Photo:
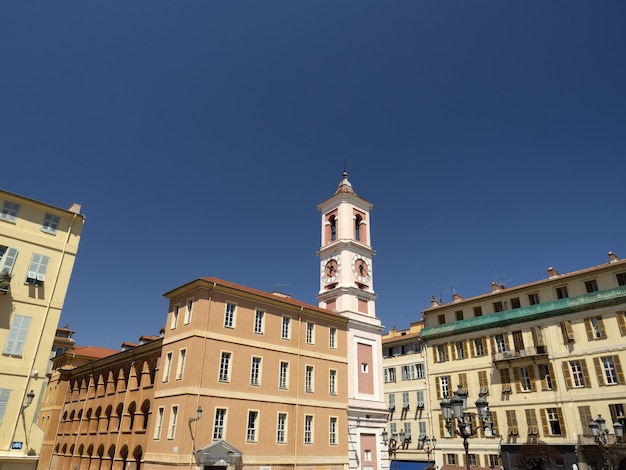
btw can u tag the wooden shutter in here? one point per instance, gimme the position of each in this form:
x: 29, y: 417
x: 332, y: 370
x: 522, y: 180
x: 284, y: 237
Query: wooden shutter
x: 494, y: 422
x: 567, y: 375
x: 559, y: 413
x: 583, y: 366
x: 435, y: 354
x: 552, y: 376
x: 518, y: 385
x: 446, y: 352
x: 621, y: 321
x: 544, y: 422
x: 442, y: 427
x: 589, y: 329
x: 585, y: 419
x: 618, y: 370
x: 465, y: 354
x: 599, y: 371
x: 473, y: 347
x: 601, y: 328
x: 531, y: 375
x: 438, y: 386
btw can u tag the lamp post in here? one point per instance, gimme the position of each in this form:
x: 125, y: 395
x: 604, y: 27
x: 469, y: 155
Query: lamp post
x: 601, y: 435
x: 427, y: 444
x: 456, y: 410
x: 393, y: 444
x: 29, y: 400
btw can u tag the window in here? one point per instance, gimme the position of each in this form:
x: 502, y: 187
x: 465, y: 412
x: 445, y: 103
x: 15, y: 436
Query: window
x: 188, y: 311
x: 332, y: 338
x: 229, y: 316
x: 219, y: 423
x: 497, y: 307
x: 255, y: 371
x: 505, y: 380
x: 422, y: 428
x: 332, y: 431
x: 451, y: 459
x: 281, y: 428
x: 609, y: 370
x: 332, y: 382
x: 181, y: 364
x: 405, y: 400
x: 546, y: 375
x: 479, y: 347
x: 420, y: 373
x: 159, y: 423
x: 9, y: 211
x: 494, y: 460
x: 518, y: 341
x: 459, y: 315
x: 585, y: 419
x: 617, y: 414
x: 511, y: 422
x: 533, y: 299
x: 308, y: 379
x: 310, y: 338
x: 407, y: 429
x: 561, y: 292
x: 420, y: 399
x: 594, y: 327
x: 168, y: 367
x: 442, y: 353
x: 7, y: 258
x: 478, y: 311
x: 444, y: 386
x: 37, y: 269
x: 390, y: 374
x: 285, y: 334
x: 621, y: 279
x: 591, y: 286
x: 459, y: 347
x: 225, y: 367
x: 554, y: 418
x: 17, y: 335
x: 567, y: 332
x: 173, y: 419
x: 283, y: 377
x: 406, y: 372
x: 253, y: 417
x: 174, y: 323
x: 515, y: 303
x: 577, y: 376
x: 50, y: 224
x: 258, y: 322
x: 483, y: 382
x: 473, y: 461
x: 333, y: 228
x: 531, y: 422
x: 500, y: 343
x: 441, y: 319
x: 308, y: 429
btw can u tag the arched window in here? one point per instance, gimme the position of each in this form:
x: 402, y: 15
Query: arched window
x: 358, y: 220
x: 137, y: 456
x: 108, y: 413
x: 333, y: 228
x: 145, y: 411
x: 132, y: 409
x: 119, y: 412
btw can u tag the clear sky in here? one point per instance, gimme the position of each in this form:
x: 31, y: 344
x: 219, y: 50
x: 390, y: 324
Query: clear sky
x: 199, y: 137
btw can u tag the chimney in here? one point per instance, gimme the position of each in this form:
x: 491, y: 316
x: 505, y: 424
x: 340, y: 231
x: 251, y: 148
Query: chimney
x: 433, y: 302
x: 456, y: 297
x: 495, y: 287
x: 552, y: 272
x: 612, y: 257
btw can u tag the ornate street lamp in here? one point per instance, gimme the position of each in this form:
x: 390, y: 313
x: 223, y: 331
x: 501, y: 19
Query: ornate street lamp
x: 427, y: 444
x: 456, y: 410
x: 29, y: 400
x: 393, y: 444
x: 601, y: 435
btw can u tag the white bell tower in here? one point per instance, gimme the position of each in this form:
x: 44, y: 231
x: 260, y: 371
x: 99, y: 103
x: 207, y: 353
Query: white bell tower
x: 347, y: 287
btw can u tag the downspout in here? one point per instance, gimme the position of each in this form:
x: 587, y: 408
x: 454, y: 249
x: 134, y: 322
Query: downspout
x: 45, y: 320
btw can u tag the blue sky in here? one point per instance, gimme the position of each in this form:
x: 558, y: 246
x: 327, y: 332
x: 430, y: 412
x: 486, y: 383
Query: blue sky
x: 199, y: 137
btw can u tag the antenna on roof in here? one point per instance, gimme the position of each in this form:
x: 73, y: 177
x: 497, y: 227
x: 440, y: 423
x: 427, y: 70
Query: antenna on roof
x: 278, y: 286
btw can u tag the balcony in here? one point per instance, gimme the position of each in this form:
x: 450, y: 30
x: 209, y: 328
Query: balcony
x: 534, y: 351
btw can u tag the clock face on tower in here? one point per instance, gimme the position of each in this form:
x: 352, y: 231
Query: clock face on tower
x: 330, y: 269
x: 361, y: 269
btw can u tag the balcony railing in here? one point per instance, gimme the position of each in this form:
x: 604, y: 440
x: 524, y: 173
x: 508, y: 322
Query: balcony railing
x: 521, y: 354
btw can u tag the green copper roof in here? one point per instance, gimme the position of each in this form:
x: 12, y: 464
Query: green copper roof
x: 525, y: 314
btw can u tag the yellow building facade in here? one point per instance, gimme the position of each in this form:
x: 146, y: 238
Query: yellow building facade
x: 38, y: 247
x: 548, y: 356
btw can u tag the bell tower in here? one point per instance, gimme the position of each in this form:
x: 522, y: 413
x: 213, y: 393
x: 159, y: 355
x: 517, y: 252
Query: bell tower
x: 347, y: 287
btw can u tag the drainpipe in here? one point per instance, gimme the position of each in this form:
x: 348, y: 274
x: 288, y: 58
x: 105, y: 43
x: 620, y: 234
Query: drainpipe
x: 295, y: 441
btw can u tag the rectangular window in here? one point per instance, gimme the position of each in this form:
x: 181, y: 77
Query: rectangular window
x: 533, y: 299
x: 405, y: 400
x: 229, y: 316
x: 406, y: 372
x: 578, y: 374
x: 258, y: 322
x: 585, y: 419
x: 225, y: 367
x: 607, y: 370
x: 441, y: 319
x: 555, y: 420
x: 442, y: 353
x: 9, y: 211
x: 332, y: 382
x: 561, y: 292
x: 479, y: 347
x: 459, y: 315
x: 511, y: 422
x: 478, y: 311
x: 283, y: 376
x: 174, y: 323
x: 310, y: 330
x: 420, y: 372
x: 332, y: 431
x: 545, y: 375
x: 255, y: 372
x: 500, y: 343
x: 483, y: 382
x: 591, y: 286
x: 17, y: 335
x: 180, y: 369
x: 332, y: 338
x: 188, y: 311
x: 567, y: 331
x: 50, y: 224
x: 473, y: 461
x: 459, y: 347
x: 505, y: 380
x: 392, y: 401
x: 422, y: 429
x: 497, y: 307
x: 308, y: 429
x: 518, y: 340
x: 525, y: 379
x: 37, y: 269
x: 515, y: 303
x: 159, y: 423
x: 531, y: 422
x: 7, y: 258
x: 308, y: 379
x: 617, y: 414
x: 168, y: 367
x: 494, y: 460
x: 281, y: 428
x: 407, y: 430
x: 173, y: 419
x: 463, y: 381
x: 594, y: 327
x: 451, y: 459
x: 219, y: 423
x: 420, y: 399
x: 253, y: 417
x: 390, y: 374
x: 621, y: 279
x: 444, y: 386
x: 285, y: 334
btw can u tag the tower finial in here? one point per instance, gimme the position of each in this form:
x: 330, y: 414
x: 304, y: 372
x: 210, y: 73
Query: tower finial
x: 345, y: 172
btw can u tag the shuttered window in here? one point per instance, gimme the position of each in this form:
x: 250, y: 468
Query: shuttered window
x: 17, y: 335
x: 4, y: 399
